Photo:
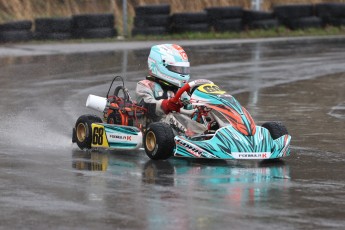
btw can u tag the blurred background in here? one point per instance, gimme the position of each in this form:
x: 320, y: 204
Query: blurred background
x: 24, y: 20
x: 30, y: 9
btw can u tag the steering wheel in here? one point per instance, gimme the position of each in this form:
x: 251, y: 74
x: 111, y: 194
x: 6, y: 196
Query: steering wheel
x: 190, y: 87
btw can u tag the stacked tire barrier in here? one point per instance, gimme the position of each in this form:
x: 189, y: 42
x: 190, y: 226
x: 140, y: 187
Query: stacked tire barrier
x: 93, y: 26
x: 331, y: 13
x: 259, y: 20
x: 189, y: 22
x: 298, y: 16
x: 16, y: 31
x: 53, y: 28
x: 156, y: 20
x: 151, y: 20
x: 226, y: 19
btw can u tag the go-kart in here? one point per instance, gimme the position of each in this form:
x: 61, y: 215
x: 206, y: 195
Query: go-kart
x: 216, y: 127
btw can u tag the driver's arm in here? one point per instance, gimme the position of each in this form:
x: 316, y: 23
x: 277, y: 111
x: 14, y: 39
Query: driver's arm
x: 144, y: 93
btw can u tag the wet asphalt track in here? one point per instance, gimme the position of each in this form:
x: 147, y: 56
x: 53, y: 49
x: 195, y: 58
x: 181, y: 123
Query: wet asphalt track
x: 47, y: 183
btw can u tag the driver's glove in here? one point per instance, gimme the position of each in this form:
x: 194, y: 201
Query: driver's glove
x: 168, y: 106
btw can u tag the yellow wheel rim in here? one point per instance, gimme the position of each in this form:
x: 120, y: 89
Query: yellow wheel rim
x: 151, y: 141
x: 81, y: 132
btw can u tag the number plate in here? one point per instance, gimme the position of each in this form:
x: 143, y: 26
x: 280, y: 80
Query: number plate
x: 99, y: 138
x: 211, y: 88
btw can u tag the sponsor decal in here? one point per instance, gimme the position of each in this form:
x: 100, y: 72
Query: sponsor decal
x: 190, y: 148
x: 244, y: 155
x: 194, y: 150
x: 208, y: 155
x: 126, y: 138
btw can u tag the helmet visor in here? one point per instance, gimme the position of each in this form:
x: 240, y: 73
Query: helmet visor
x: 179, y: 69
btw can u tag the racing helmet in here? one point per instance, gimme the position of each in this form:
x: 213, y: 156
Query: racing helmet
x: 169, y: 62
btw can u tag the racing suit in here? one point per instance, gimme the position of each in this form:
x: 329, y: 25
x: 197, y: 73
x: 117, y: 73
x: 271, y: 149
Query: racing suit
x: 151, y: 92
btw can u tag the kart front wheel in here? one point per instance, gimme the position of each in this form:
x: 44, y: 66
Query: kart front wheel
x: 276, y: 129
x: 159, y: 141
x: 82, y: 132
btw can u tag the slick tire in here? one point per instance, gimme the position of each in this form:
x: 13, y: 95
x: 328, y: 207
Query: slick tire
x: 337, y: 21
x: 16, y: 25
x: 93, y: 21
x: 216, y: 13
x: 250, y: 16
x: 304, y: 23
x: 187, y: 28
x: 159, y: 141
x: 330, y: 10
x: 276, y: 129
x: 95, y: 33
x: 152, y: 21
x: 83, y: 130
x: 53, y: 25
x: 294, y: 11
x: 159, y: 30
x: 189, y: 18
x: 264, y: 24
x: 15, y: 36
x: 229, y: 25
x: 152, y: 9
x: 52, y: 36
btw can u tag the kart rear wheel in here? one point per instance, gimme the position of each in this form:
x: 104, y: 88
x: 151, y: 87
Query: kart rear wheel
x: 83, y: 130
x: 276, y: 129
x: 94, y: 118
x: 159, y: 141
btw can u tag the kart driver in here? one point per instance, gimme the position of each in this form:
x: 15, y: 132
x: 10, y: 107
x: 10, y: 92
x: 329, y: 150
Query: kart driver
x: 168, y: 71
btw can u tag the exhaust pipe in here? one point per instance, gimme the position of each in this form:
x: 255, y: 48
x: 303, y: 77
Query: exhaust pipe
x: 97, y: 103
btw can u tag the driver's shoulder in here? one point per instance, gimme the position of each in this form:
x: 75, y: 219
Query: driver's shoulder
x: 148, y: 84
